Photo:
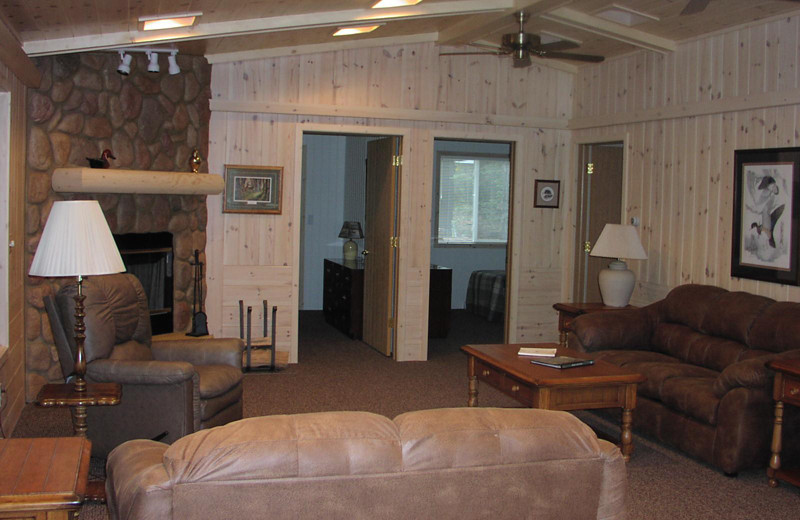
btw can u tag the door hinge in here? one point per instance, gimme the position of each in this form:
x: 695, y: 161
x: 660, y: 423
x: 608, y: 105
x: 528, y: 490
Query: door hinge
x: 391, y: 323
x: 397, y: 160
x: 394, y: 242
x: 587, y: 247
x: 589, y: 168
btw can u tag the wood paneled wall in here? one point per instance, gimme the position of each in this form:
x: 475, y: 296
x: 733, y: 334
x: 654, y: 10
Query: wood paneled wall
x: 12, y: 362
x: 682, y: 116
x: 260, y: 109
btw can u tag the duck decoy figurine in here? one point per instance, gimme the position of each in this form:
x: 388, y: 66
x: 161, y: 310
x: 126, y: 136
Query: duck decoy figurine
x: 102, y: 162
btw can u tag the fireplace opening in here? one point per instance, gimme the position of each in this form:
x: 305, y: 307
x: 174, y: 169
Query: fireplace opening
x: 148, y: 256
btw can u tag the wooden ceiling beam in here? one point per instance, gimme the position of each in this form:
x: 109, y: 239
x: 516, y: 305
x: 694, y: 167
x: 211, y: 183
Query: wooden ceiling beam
x: 265, y: 25
x: 476, y: 27
x: 605, y: 28
x: 15, y: 59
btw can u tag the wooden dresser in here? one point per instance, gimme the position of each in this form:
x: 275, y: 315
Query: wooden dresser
x: 343, y: 297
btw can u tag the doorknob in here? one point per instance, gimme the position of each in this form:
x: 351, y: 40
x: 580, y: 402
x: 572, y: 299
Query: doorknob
x: 365, y: 252
x: 587, y: 247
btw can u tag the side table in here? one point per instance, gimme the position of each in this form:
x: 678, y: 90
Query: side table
x: 43, y: 478
x: 96, y: 394
x: 786, y: 389
x: 568, y: 311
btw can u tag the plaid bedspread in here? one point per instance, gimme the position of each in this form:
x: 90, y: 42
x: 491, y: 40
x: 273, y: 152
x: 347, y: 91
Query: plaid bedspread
x: 486, y: 294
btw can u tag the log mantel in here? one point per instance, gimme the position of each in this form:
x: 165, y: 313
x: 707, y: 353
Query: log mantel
x: 97, y: 180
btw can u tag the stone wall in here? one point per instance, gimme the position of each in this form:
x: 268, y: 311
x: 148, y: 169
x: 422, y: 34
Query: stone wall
x: 150, y: 121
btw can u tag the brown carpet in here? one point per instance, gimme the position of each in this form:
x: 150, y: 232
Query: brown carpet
x: 336, y: 373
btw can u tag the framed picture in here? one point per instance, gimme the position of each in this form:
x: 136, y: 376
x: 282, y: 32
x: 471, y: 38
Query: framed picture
x: 252, y: 189
x: 547, y: 193
x: 765, y: 215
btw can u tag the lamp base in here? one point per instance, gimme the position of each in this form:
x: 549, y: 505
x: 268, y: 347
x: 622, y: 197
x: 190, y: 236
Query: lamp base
x: 616, y: 284
x: 350, y: 250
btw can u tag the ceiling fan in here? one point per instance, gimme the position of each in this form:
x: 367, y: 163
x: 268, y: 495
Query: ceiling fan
x: 521, y: 45
x: 696, y: 6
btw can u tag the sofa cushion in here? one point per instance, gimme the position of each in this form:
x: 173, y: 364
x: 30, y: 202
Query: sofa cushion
x: 286, y: 446
x: 696, y: 348
x: 692, y: 396
x: 733, y: 315
x: 689, y: 304
x: 657, y: 373
x: 623, y: 358
x: 777, y: 329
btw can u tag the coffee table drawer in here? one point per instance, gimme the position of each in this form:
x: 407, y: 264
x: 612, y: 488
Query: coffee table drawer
x: 491, y: 375
x: 518, y: 390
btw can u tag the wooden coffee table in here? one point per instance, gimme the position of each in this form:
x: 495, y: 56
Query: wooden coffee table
x: 601, y: 385
x: 43, y: 477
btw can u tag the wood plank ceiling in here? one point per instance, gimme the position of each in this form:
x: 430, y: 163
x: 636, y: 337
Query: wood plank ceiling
x: 239, y: 29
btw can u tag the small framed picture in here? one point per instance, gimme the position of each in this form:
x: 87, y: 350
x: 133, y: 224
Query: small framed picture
x: 766, y: 215
x: 547, y: 193
x: 252, y: 189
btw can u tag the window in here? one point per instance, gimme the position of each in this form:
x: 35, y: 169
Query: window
x: 473, y: 199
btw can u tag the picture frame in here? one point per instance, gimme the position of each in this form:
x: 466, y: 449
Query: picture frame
x: 253, y: 189
x: 765, y: 215
x: 547, y: 193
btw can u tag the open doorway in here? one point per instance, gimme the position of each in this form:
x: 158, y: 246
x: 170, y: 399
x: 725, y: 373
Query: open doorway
x: 342, y: 174
x: 470, y: 233
x: 599, y: 203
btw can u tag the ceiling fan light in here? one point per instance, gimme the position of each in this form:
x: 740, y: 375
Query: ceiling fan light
x: 521, y: 63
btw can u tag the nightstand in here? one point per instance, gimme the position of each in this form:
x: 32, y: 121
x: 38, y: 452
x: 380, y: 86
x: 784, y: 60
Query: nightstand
x: 786, y: 389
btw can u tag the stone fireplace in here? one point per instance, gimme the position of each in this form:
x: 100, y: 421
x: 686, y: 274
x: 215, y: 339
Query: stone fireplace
x: 150, y: 121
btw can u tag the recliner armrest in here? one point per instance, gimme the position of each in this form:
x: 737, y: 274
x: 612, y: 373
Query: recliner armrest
x: 212, y: 351
x: 625, y: 329
x: 139, y: 372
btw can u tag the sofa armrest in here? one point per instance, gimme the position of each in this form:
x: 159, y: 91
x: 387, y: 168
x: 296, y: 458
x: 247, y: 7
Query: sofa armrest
x: 139, y: 372
x: 749, y: 373
x: 134, y: 470
x: 212, y: 351
x: 628, y: 329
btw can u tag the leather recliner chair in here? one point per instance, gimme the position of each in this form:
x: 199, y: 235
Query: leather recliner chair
x: 170, y: 388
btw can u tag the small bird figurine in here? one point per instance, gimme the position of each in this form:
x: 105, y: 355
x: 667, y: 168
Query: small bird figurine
x: 196, y: 160
x: 102, y: 162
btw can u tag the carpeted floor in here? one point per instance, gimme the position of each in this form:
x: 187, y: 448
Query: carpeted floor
x: 336, y: 373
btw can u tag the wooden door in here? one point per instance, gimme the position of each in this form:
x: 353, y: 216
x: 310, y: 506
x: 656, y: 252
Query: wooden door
x: 600, y: 197
x: 380, y: 239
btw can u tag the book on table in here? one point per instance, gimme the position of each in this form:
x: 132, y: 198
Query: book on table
x: 537, y: 351
x: 563, y: 362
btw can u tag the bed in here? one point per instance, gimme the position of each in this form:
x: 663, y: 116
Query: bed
x: 486, y: 294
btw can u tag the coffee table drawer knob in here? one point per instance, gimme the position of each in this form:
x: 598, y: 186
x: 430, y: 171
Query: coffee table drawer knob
x: 486, y: 372
x: 515, y: 388
x: 794, y: 391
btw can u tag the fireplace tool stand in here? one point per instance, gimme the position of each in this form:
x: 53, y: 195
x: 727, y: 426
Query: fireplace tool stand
x: 199, y: 318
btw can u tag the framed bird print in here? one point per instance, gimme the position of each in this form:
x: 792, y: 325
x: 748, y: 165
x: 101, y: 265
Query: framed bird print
x: 252, y: 189
x: 766, y: 214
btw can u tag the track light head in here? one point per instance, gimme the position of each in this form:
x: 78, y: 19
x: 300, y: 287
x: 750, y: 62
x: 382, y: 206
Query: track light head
x: 173, y: 63
x: 125, y: 63
x: 153, y: 65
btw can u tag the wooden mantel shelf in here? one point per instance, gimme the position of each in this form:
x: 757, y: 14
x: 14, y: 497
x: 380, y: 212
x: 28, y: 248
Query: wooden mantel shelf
x: 97, y: 180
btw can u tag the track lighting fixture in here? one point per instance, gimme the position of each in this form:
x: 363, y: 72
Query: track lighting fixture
x: 126, y: 57
x: 153, y: 65
x: 125, y: 63
x: 173, y: 63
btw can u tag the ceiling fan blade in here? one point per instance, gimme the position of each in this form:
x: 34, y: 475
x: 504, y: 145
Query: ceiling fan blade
x: 695, y: 6
x: 563, y: 45
x: 470, y: 53
x: 571, y: 56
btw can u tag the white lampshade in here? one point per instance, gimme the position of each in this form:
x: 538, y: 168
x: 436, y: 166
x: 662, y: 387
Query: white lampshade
x: 76, y: 241
x: 618, y: 241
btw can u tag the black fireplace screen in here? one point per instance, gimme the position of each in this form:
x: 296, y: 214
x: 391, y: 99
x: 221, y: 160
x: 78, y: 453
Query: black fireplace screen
x: 148, y: 256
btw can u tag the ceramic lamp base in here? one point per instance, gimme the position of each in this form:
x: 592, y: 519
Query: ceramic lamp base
x: 616, y: 284
x: 350, y: 250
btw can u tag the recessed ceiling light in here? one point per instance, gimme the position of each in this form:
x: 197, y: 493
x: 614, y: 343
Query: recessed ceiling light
x: 348, y: 31
x: 395, y: 3
x: 624, y: 15
x: 168, y: 21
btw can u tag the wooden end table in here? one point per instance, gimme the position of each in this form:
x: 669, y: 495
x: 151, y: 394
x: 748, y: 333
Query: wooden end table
x: 602, y: 385
x: 96, y: 394
x: 786, y: 389
x: 568, y: 311
x: 43, y: 478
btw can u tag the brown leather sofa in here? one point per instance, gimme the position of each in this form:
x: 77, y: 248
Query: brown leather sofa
x: 169, y: 388
x: 703, y: 350
x: 456, y: 463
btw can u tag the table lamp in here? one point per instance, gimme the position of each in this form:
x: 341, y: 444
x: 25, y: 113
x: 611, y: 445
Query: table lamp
x: 351, y: 230
x: 617, y: 281
x: 76, y: 241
